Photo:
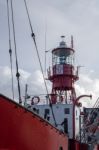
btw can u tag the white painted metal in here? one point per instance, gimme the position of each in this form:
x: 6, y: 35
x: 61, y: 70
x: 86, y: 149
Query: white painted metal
x: 60, y: 115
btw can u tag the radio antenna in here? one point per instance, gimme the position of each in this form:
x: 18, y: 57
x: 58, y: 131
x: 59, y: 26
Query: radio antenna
x: 45, y: 44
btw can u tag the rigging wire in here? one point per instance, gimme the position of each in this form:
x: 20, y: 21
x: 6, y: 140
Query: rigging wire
x: 96, y: 103
x: 33, y: 37
x: 10, y: 49
x: 17, y: 68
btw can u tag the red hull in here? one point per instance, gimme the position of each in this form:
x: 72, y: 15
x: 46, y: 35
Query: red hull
x: 20, y: 129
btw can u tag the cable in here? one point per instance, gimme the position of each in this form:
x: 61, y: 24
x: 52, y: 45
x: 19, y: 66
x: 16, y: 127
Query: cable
x: 9, y: 25
x: 17, y: 69
x: 96, y: 103
x: 10, y: 49
x: 95, y: 109
x: 33, y: 37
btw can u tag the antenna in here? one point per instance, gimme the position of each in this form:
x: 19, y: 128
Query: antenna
x: 45, y: 43
x: 72, y: 42
x: 78, y: 68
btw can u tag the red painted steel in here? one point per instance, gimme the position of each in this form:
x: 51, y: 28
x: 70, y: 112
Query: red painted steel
x: 83, y: 146
x: 20, y: 129
x: 75, y: 145
x: 96, y: 147
x: 64, y: 81
x: 71, y: 144
x: 58, y: 83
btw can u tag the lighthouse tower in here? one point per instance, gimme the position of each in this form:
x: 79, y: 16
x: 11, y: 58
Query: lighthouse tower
x: 63, y: 73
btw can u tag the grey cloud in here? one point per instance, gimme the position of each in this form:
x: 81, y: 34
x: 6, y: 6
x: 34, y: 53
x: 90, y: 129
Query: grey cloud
x: 78, y: 17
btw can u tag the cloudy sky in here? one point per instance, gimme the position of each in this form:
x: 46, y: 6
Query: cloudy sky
x: 79, y: 18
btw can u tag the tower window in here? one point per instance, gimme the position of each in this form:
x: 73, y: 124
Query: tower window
x: 66, y: 111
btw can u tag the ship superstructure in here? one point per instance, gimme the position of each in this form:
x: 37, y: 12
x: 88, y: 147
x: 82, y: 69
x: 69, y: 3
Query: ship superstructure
x: 62, y: 74
x: 66, y: 106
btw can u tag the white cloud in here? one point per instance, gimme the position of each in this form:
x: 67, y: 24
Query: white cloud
x: 96, y: 86
x: 88, y: 85
x: 86, y: 79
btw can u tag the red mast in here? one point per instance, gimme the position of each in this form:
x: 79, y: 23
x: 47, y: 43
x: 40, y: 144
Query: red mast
x: 63, y: 73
